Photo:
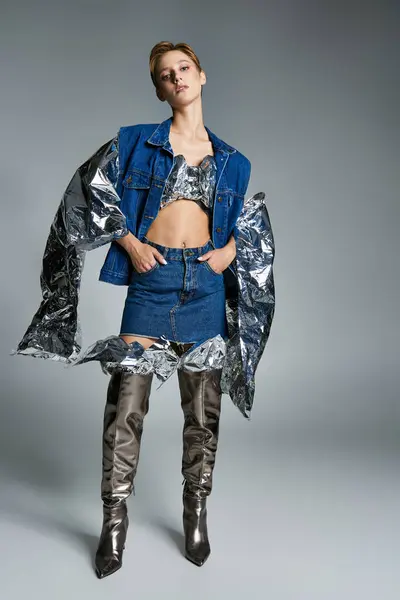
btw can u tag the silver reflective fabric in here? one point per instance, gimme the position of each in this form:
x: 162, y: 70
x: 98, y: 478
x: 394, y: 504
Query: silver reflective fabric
x: 160, y: 358
x: 191, y: 182
x: 89, y: 216
x: 250, y: 317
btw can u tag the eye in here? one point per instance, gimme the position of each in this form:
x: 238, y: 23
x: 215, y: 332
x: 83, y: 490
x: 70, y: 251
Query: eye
x: 164, y: 77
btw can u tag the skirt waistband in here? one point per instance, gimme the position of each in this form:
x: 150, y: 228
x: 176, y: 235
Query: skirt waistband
x: 181, y: 253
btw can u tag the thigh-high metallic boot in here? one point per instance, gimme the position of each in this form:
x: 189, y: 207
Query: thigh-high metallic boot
x: 126, y: 406
x: 201, y: 404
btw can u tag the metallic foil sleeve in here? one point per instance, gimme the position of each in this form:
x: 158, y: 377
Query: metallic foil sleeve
x: 88, y: 216
x: 250, y: 316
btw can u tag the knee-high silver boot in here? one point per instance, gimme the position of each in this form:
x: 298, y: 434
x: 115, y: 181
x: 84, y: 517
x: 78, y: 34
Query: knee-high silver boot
x: 126, y: 406
x: 201, y: 404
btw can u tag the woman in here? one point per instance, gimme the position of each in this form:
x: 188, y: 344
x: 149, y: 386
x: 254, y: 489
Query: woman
x: 177, y: 290
x: 169, y: 197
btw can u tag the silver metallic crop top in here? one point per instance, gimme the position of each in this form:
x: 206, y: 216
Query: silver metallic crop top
x: 191, y: 182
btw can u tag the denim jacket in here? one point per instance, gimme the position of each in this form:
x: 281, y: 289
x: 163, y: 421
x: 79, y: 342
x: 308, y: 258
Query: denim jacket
x: 115, y: 191
x: 145, y: 161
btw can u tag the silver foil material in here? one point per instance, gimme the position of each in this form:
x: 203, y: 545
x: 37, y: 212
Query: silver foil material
x: 160, y: 358
x: 191, y: 182
x: 89, y: 216
x: 250, y: 318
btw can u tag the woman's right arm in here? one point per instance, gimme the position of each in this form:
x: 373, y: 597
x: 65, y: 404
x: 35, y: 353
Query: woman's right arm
x: 128, y: 242
x: 142, y: 255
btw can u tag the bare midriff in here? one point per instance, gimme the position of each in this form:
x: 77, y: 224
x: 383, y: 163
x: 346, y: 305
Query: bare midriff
x: 181, y: 224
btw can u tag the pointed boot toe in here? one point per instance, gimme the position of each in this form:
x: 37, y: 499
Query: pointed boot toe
x: 107, y: 566
x: 107, y: 563
x: 199, y: 555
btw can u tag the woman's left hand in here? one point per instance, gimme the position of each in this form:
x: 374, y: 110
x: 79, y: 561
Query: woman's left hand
x: 219, y: 259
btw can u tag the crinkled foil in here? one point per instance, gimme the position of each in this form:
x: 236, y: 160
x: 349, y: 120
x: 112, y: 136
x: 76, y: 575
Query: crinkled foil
x: 160, y: 358
x: 193, y: 182
x: 250, y: 317
x: 89, y: 216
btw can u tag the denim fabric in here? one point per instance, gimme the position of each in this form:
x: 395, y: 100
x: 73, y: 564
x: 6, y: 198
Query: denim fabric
x: 145, y: 159
x: 183, y: 300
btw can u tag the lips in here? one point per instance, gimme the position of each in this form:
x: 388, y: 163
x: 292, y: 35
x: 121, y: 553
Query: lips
x: 182, y: 87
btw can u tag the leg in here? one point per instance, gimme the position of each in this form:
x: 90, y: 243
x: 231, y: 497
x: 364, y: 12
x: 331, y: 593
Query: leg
x: 145, y: 341
x: 201, y: 404
x: 127, y: 405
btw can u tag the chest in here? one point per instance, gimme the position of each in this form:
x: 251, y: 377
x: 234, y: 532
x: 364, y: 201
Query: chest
x: 194, y: 153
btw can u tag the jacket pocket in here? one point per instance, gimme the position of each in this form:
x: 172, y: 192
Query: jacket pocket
x: 137, y: 179
x: 136, y: 185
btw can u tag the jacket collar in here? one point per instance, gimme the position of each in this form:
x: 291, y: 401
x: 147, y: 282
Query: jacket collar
x: 160, y: 137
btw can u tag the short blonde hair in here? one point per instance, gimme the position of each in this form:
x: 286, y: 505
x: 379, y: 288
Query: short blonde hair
x: 161, y: 48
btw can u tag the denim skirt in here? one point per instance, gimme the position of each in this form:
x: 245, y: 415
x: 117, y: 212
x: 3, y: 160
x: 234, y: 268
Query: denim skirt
x: 183, y: 300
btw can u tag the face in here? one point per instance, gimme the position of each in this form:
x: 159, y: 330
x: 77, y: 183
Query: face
x: 175, y: 69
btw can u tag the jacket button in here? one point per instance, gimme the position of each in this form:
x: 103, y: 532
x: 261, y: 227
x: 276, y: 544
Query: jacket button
x: 218, y: 229
x: 129, y: 179
x: 219, y: 198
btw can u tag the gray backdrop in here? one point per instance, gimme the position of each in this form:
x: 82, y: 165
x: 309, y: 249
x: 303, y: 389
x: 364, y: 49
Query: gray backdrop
x: 306, y: 494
